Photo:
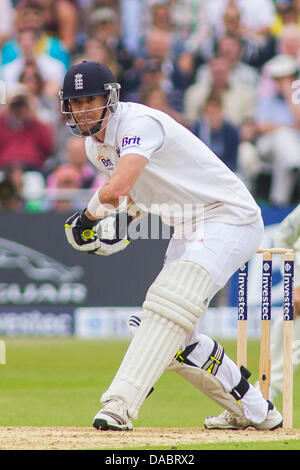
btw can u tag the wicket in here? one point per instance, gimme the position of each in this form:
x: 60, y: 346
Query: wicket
x: 265, y: 360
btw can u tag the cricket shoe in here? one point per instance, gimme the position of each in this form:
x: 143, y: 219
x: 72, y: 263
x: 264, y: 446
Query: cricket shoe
x: 272, y: 421
x: 113, y: 416
x: 229, y: 420
x: 226, y: 420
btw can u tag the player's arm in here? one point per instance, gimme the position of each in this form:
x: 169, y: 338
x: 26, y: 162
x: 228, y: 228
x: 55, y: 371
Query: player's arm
x: 122, y: 181
x: 95, y: 230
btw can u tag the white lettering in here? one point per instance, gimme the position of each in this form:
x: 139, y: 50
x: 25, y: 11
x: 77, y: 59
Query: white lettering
x: 36, y: 323
x: 116, y: 460
x: 45, y: 293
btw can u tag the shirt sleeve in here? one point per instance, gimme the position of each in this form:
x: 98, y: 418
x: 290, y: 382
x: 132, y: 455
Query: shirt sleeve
x: 142, y: 135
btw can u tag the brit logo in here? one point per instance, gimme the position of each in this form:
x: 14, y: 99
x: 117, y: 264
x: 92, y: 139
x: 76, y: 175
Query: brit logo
x: 78, y: 81
x: 130, y: 139
x: 106, y: 161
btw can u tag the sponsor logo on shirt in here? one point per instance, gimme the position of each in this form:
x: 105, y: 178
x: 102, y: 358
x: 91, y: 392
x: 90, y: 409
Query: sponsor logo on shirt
x: 106, y: 161
x: 129, y: 139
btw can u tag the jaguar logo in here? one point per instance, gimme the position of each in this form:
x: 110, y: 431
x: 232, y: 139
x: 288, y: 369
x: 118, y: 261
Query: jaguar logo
x: 36, y: 265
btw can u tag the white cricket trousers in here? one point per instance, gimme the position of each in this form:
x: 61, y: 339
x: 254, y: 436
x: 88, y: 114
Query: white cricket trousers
x: 221, y: 249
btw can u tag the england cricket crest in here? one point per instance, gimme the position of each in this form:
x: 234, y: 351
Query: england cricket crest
x: 78, y: 81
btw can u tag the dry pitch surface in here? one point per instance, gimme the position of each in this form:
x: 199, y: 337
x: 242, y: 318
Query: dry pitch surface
x: 63, y: 438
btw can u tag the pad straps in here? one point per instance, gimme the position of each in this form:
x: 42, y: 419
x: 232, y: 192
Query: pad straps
x: 211, y: 365
x: 215, y: 359
x: 181, y: 356
x: 239, y: 391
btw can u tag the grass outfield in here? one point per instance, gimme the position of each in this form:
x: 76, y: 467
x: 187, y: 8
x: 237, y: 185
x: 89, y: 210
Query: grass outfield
x: 58, y: 382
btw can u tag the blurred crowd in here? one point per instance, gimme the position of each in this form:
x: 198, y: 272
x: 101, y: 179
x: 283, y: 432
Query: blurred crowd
x: 226, y: 69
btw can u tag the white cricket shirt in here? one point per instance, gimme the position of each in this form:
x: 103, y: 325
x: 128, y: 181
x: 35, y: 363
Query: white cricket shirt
x: 182, y: 173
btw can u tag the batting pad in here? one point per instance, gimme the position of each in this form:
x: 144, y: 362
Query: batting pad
x: 208, y: 384
x: 173, y: 303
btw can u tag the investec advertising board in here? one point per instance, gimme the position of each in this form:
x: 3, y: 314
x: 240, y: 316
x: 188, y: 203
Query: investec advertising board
x: 45, y: 285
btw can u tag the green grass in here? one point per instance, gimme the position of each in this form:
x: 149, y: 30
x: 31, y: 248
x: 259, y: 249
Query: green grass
x: 58, y: 382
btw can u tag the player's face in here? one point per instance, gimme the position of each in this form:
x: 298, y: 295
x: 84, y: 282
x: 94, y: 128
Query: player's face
x: 87, y: 111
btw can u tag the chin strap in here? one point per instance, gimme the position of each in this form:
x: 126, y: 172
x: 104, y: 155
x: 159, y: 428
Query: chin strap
x: 98, y: 126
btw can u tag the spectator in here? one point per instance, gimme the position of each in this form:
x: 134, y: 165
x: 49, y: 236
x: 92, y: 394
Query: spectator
x: 31, y: 15
x: 6, y: 20
x: 161, y: 19
x: 152, y: 76
x: 46, y: 96
x: 11, y: 189
x: 24, y: 139
x: 287, y: 44
x: 296, y: 4
x: 248, y: 162
x: 216, y: 132
x: 190, y: 22
x: 184, y: 18
x: 252, y: 22
x: 289, y: 41
x: 161, y: 16
x: 286, y: 14
x: 146, y: 75
x: 105, y: 26
x: 238, y: 99
x: 62, y: 183
x: 156, y: 98
x: 50, y: 69
x: 257, y: 16
x: 61, y: 20
x: 230, y: 47
x: 161, y: 45
x: 254, y: 50
x: 98, y: 51
x: 178, y: 71
x: 158, y: 45
x: 278, y: 124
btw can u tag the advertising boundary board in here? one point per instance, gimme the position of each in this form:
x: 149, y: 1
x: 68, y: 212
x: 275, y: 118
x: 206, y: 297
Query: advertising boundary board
x: 49, y: 289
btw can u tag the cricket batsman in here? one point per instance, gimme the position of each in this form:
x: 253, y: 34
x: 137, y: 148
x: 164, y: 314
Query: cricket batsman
x: 162, y: 168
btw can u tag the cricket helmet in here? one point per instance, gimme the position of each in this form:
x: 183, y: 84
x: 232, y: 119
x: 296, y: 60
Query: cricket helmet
x: 83, y: 80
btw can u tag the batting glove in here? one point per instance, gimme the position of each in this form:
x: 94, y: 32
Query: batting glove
x: 112, y: 233
x: 81, y: 232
